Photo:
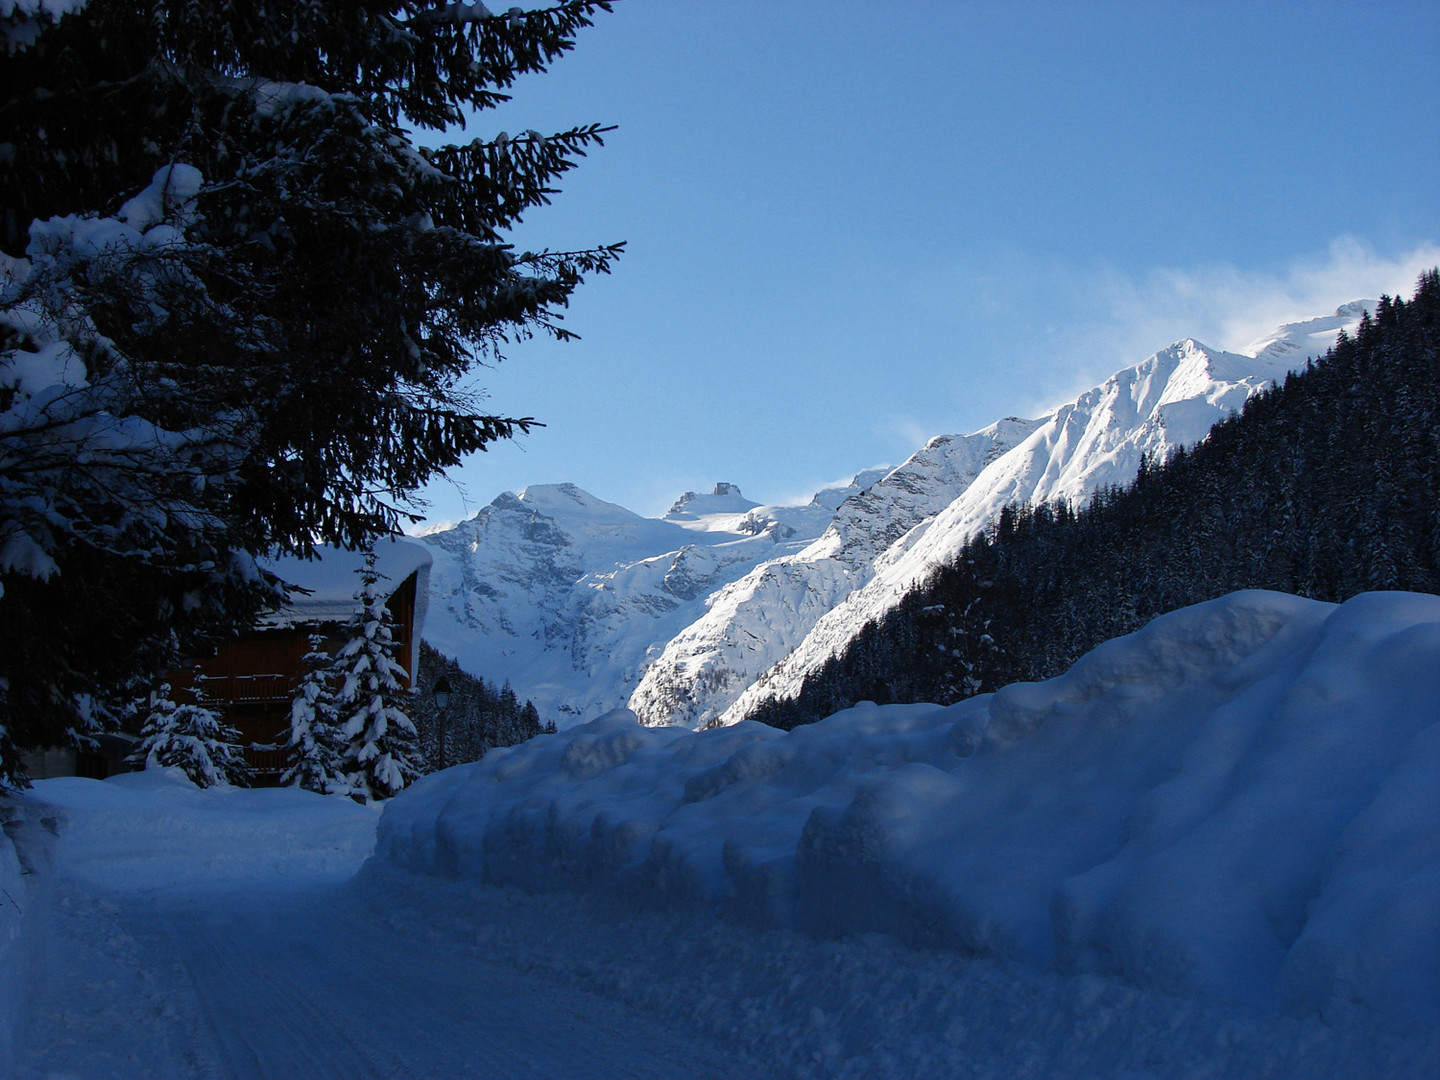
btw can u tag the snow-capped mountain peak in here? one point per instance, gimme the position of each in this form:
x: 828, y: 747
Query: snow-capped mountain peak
x: 695, y: 617
x: 722, y: 510
x: 568, y: 501
x: 725, y: 499
x: 570, y: 596
x: 1309, y: 337
x: 752, y: 622
x: 1170, y: 399
x: 831, y: 497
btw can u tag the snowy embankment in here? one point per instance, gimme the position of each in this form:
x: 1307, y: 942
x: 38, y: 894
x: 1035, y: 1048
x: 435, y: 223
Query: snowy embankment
x: 155, y: 829
x: 1227, y: 817
x: 1239, y: 803
x: 14, y: 968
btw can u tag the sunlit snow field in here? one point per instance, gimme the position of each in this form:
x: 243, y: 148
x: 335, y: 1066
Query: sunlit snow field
x: 1210, y: 849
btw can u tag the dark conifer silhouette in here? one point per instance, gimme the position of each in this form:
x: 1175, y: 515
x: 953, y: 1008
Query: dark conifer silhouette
x: 478, y: 717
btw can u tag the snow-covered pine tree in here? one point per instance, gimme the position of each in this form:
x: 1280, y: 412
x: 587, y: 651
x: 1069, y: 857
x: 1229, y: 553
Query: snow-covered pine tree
x: 530, y: 718
x: 380, y: 743
x: 314, y: 739
x: 240, y: 302
x: 192, y: 737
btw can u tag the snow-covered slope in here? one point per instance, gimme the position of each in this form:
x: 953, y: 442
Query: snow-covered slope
x: 1237, y: 803
x: 1210, y: 850
x: 755, y: 621
x: 575, y: 599
x: 569, y: 596
x: 694, y: 617
x: 1170, y: 399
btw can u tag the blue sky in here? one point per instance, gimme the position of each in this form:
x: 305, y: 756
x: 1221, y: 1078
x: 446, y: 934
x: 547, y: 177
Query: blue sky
x: 855, y: 225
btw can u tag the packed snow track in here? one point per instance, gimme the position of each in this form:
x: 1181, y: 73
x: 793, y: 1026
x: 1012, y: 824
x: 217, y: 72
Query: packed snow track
x: 171, y: 960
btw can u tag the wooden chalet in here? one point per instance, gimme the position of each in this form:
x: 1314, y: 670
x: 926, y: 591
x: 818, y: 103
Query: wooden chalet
x: 251, y: 680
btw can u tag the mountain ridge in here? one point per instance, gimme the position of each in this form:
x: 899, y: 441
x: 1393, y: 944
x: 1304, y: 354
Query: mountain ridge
x: 694, y: 617
x: 1170, y: 399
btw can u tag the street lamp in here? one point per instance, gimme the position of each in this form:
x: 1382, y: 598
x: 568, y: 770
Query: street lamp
x: 441, y: 693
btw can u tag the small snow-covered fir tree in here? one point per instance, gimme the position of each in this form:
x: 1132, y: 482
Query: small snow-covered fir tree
x: 192, y: 737
x: 380, y: 743
x: 314, y: 740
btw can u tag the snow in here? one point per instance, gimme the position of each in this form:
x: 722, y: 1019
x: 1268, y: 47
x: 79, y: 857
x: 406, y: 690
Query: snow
x: 375, y: 736
x: 330, y: 580
x: 53, y: 8
x: 1170, y: 399
x: 328, y: 583
x: 573, y: 598
x: 169, y: 198
x: 754, y: 621
x: 726, y: 500
x: 1210, y: 849
x: 569, y: 596
x: 57, y: 412
x: 170, y: 931
x: 31, y: 374
x: 275, y: 99
x: 1194, y: 808
x: 830, y: 498
x: 1309, y: 337
x: 699, y: 616
x: 25, y: 17
x: 157, y: 830
x: 20, y: 554
x: 192, y: 738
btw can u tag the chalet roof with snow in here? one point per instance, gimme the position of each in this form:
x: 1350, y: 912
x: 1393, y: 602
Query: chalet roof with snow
x: 331, y: 580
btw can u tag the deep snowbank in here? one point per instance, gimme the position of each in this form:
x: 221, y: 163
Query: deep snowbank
x: 154, y: 829
x: 1239, y: 802
x: 13, y: 926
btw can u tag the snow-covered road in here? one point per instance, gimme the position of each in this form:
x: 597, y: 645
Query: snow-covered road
x: 160, y: 959
x: 247, y: 983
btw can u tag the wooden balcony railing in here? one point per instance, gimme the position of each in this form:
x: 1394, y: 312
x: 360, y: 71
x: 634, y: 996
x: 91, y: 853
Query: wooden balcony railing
x: 231, y: 690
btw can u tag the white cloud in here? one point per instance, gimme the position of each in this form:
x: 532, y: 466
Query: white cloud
x: 1230, y: 308
x: 800, y: 494
x: 1116, y: 319
x: 904, y: 431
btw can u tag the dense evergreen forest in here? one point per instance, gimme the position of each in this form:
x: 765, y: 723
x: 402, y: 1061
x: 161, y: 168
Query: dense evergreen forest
x: 1325, y: 486
x: 478, y: 717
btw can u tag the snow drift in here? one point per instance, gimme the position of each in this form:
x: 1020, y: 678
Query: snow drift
x: 156, y: 829
x: 1239, y: 802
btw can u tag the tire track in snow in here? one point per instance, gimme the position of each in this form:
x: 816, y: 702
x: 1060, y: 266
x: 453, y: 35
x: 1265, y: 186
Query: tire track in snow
x: 268, y: 984
x: 257, y: 1022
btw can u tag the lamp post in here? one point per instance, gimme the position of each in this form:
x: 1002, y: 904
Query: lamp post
x: 441, y: 693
